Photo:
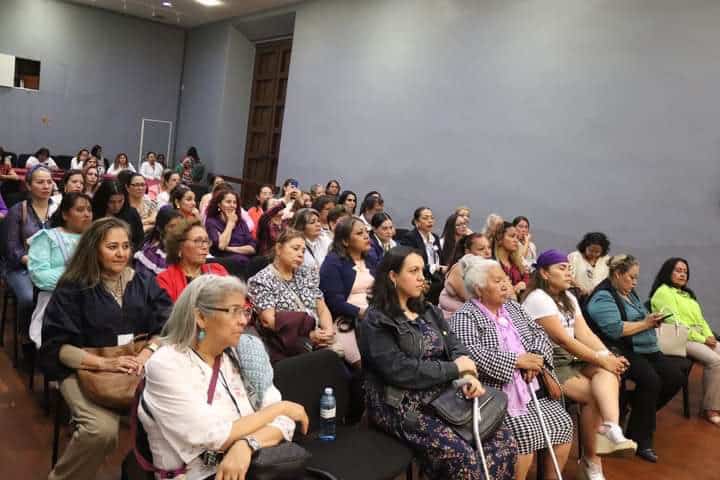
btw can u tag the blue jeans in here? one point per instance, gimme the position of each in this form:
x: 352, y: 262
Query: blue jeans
x: 21, y: 285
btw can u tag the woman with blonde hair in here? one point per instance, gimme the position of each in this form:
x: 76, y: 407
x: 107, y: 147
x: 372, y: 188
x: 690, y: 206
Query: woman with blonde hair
x: 506, y: 250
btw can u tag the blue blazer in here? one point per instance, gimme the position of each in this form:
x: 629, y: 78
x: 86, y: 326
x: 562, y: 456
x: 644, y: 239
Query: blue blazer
x: 337, y: 276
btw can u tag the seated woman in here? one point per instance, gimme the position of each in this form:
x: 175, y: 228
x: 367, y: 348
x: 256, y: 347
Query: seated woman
x: 229, y: 234
x: 509, y: 351
x: 528, y: 250
x: 91, y: 179
x: 78, y: 161
x: 336, y: 214
x: 256, y: 211
x: 25, y: 219
x: 506, y: 250
x: 587, y: 370
x: 182, y: 199
x: 72, y: 181
x: 307, y: 221
x: 455, y: 229
x: 332, y: 188
x: 151, y: 168
x: 111, y: 200
x: 152, y: 257
x: 348, y: 200
x: 169, y: 181
x: 121, y: 163
x: 50, y: 251
x: 270, y: 225
x: 7, y: 172
x: 346, y: 280
x: 381, y: 238
x: 453, y: 295
x: 670, y: 293
x: 323, y: 204
x: 464, y: 211
x: 622, y: 321
x: 409, y: 351
x: 98, y: 302
x: 492, y: 223
x: 286, y: 286
x: 42, y: 157
x: 187, y: 245
x: 371, y: 206
x: 589, y: 262
x: 216, y: 183
x: 136, y: 189
x: 246, y: 413
x: 423, y: 239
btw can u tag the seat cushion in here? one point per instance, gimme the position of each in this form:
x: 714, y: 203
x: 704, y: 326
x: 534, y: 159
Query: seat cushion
x: 359, y: 453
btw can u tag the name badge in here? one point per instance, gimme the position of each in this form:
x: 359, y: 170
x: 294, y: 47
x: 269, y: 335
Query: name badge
x: 125, y: 339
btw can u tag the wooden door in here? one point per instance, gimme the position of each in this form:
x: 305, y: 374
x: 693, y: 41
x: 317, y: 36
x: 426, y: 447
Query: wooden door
x: 267, y: 105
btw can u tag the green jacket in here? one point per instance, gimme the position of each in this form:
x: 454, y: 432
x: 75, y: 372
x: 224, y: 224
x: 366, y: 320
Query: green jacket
x: 686, y: 311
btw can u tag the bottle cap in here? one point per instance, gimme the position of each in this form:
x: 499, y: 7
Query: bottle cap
x: 328, y: 391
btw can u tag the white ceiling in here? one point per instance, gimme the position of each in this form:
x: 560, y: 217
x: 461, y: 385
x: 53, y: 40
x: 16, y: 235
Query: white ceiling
x: 185, y: 13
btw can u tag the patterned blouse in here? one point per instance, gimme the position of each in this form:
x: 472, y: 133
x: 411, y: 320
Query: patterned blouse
x: 268, y: 290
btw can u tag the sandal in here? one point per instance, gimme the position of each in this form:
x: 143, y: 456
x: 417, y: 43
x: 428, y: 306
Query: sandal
x: 712, y: 416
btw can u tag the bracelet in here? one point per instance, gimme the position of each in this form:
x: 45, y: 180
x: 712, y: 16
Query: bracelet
x: 468, y: 372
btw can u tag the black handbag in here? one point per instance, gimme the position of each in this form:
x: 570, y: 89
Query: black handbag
x: 456, y: 410
x: 286, y: 461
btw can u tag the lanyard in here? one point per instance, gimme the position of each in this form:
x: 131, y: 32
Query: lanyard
x: 213, y: 382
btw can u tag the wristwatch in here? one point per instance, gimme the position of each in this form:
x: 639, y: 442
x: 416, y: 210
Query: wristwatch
x: 153, y: 347
x: 253, y: 443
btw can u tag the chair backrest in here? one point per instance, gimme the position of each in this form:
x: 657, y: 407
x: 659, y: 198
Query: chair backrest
x: 302, y: 379
x: 22, y: 160
x: 400, y: 232
x: 63, y: 161
x: 256, y: 263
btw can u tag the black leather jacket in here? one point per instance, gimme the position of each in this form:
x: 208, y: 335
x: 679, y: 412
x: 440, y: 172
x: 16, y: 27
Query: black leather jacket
x: 392, y: 350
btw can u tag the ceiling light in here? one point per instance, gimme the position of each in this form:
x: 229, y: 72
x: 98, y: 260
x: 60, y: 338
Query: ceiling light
x: 209, y: 3
x: 167, y: 4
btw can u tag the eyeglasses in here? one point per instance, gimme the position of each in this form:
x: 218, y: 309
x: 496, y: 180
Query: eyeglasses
x: 233, y: 310
x: 199, y: 242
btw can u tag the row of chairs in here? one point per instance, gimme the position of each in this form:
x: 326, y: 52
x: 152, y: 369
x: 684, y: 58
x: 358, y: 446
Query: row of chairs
x: 19, y: 161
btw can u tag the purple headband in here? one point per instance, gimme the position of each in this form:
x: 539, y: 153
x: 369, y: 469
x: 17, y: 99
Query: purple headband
x: 550, y: 257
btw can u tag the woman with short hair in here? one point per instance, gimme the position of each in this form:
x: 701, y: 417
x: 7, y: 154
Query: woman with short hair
x: 622, y: 321
x: 410, y: 355
x: 187, y: 244
x: 99, y: 302
x: 589, y: 262
x: 424, y: 240
x: 588, y: 372
x: 510, y: 351
x: 670, y: 294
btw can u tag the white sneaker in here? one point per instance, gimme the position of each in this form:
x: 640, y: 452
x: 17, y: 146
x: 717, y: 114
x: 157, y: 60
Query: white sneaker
x: 590, y: 471
x: 611, y: 441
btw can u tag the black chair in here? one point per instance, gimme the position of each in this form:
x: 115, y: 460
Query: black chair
x: 399, y: 233
x: 256, y: 263
x: 22, y: 160
x: 358, y: 453
x: 63, y: 161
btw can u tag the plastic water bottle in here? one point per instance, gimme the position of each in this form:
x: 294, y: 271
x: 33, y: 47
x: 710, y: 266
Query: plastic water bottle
x: 327, y: 415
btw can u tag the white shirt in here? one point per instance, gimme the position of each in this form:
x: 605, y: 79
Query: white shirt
x: 184, y: 425
x: 316, y: 251
x: 33, y: 160
x: 586, y: 276
x: 432, y: 251
x: 75, y: 164
x: 153, y: 172
x: 539, y: 304
x: 162, y: 199
x: 115, y: 170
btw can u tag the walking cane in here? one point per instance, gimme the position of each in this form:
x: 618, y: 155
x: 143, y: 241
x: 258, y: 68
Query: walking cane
x: 545, y: 433
x: 477, y: 418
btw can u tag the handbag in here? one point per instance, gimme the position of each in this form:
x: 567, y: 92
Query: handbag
x: 113, y: 390
x: 672, y: 339
x: 457, y: 411
x: 285, y: 461
x: 290, y: 336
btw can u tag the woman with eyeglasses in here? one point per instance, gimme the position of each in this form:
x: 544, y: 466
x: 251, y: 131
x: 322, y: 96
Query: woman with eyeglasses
x: 137, y: 199
x: 188, y: 245
x: 456, y: 227
x: 246, y: 412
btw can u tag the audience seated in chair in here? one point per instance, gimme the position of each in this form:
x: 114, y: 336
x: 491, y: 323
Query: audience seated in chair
x: 187, y: 244
x: 381, y: 236
x: 589, y: 263
x: 528, y: 250
x: 51, y: 249
x: 588, y: 372
x: 348, y: 200
x: 246, y: 411
x: 624, y: 323
x: 337, y: 213
x: 456, y: 227
x: 121, y: 163
x: 288, y: 301
x: 509, y: 351
x: 151, y: 169
x: 371, y: 206
x: 91, y: 178
x: 229, y: 233
x: 346, y: 280
x: 169, y: 181
x: 79, y: 160
x: 72, y: 181
x: 98, y: 302
x: 307, y: 222
x: 670, y: 293
x: 270, y: 225
x: 136, y: 189
x: 424, y: 240
x: 216, y: 182
x: 152, y: 257
x: 182, y: 199
x: 453, y: 294
x: 96, y: 154
x: 42, y: 157
x: 332, y: 188
x: 506, y: 250
x: 408, y: 350
x: 323, y: 205
x: 111, y: 200
x: 264, y: 193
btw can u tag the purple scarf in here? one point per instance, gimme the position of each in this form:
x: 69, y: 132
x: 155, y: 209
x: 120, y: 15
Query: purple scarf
x: 510, y: 341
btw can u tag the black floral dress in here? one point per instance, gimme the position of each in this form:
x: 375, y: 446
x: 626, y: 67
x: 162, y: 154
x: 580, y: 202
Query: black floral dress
x: 442, y: 453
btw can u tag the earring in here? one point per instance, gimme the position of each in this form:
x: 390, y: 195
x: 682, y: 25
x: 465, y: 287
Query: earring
x: 201, y: 335
x: 393, y: 283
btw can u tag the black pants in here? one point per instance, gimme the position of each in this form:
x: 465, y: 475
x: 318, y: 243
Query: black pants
x: 658, y: 378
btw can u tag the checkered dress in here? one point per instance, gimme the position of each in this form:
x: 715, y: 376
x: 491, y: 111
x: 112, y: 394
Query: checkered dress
x: 477, y: 332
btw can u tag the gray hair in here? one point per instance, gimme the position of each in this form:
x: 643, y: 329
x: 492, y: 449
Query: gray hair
x: 475, y: 272
x: 205, y: 291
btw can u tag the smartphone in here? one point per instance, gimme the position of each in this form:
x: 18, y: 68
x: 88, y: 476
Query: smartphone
x: 665, y: 317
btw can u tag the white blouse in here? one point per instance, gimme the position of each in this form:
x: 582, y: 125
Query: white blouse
x: 184, y: 424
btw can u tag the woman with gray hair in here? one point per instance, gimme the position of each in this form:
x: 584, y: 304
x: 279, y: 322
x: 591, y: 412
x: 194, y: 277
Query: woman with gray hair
x: 307, y: 222
x: 509, y: 351
x: 191, y: 424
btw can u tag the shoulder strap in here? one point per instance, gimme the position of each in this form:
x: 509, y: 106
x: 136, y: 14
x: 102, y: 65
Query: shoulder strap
x: 298, y: 301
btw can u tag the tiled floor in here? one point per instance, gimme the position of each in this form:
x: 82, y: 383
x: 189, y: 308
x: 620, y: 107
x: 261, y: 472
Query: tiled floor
x: 688, y: 449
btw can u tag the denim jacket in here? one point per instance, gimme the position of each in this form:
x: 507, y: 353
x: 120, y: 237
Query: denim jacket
x: 392, y: 351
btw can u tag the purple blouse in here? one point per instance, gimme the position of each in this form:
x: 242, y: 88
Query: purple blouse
x: 19, y: 232
x: 240, y: 237
x: 3, y: 207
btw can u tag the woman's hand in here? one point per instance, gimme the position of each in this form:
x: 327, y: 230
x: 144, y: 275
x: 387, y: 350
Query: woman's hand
x: 231, y: 217
x: 529, y: 375
x: 466, y: 364
x: 124, y: 364
x: 141, y: 358
x: 530, y: 361
x: 473, y: 388
x: 520, y: 287
x: 613, y: 364
x: 236, y: 462
x: 711, y: 342
x: 653, y: 320
x: 297, y: 413
x: 322, y: 337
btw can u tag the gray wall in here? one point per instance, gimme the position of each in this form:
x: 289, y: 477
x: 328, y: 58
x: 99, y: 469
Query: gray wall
x: 101, y: 73
x: 217, y: 80
x: 595, y: 115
